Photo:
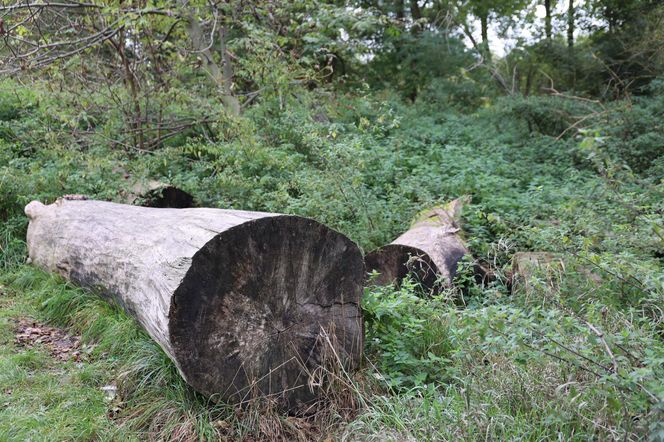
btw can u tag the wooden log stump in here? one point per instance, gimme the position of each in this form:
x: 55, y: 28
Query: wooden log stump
x: 238, y: 300
x: 430, y: 250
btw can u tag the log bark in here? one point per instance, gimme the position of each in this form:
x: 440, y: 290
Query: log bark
x: 238, y: 300
x: 430, y: 251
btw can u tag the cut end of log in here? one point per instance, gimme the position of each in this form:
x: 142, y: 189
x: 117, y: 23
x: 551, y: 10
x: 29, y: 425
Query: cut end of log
x: 394, y: 262
x: 168, y: 197
x: 247, y: 304
x: 252, y: 314
x: 160, y: 195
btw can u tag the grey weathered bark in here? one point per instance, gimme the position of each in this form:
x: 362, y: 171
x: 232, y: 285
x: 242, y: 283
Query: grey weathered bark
x: 430, y: 250
x: 227, y: 66
x: 238, y: 300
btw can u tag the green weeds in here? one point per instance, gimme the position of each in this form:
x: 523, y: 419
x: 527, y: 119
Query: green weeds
x: 576, y: 360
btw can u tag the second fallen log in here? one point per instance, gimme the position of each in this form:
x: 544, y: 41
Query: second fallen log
x: 429, y: 251
x: 242, y: 302
x: 152, y: 193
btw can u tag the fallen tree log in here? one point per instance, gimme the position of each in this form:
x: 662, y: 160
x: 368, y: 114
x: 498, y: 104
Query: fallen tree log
x: 154, y: 193
x: 429, y: 251
x: 240, y: 301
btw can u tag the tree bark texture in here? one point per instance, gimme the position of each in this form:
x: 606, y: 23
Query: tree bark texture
x: 222, y: 76
x: 240, y: 301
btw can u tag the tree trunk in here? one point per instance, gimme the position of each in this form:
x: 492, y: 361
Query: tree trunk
x: 570, y: 43
x: 136, y: 120
x: 415, y: 15
x: 547, y: 19
x: 430, y: 251
x: 415, y: 11
x: 240, y: 301
x: 570, y: 25
x: 222, y: 76
x: 399, y: 9
x: 227, y: 67
x: 484, y: 22
x: 529, y: 79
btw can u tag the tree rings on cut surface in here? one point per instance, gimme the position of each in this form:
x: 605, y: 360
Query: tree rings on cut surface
x: 252, y: 313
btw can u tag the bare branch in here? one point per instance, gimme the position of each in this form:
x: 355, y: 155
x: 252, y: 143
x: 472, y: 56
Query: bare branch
x: 39, y: 5
x: 81, y: 5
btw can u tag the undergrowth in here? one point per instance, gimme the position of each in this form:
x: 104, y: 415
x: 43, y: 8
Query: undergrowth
x: 574, y: 359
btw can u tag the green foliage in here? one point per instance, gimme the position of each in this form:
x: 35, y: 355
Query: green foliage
x: 527, y: 367
x: 638, y: 135
x: 550, y: 116
x: 415, y: 61
x: 407, y: 336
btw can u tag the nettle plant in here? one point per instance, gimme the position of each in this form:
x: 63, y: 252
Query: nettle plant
x: 407, y: 335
